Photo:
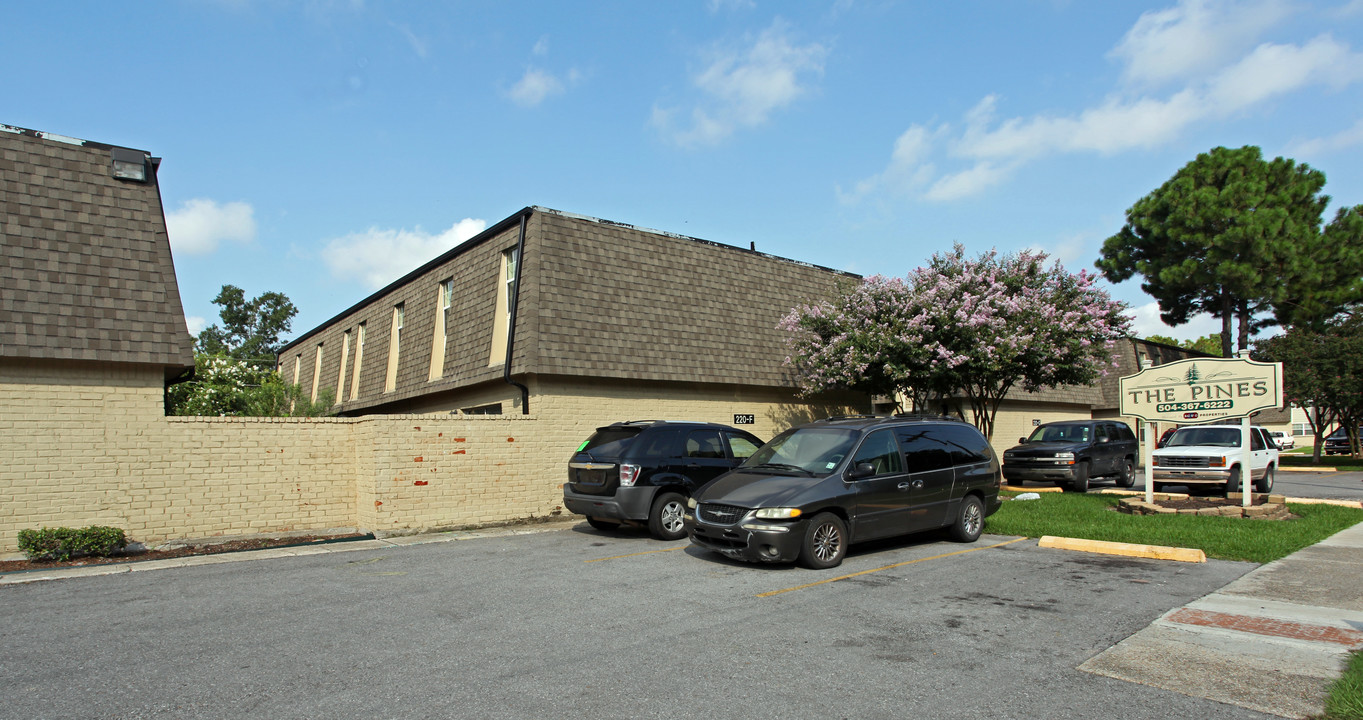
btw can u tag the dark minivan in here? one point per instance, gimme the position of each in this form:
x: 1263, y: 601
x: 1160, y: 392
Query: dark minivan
x: 1073, y: 452
x: 641, y: 472
x: 815, y: 489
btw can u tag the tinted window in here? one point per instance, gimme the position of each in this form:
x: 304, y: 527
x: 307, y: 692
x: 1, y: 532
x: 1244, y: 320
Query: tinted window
x: 1102, y: 432
x: 967, y: 445
x: 1060, y: 433
x: 922, y: 452
x: 741, y: 447
x: 880, y: 449
x: 656, y: 444
x: 1256, y: 440
x: 1124, y: 432
x: 704, y: 444
x: 610, y: 442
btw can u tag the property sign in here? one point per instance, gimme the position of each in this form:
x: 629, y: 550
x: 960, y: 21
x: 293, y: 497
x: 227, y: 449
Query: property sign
x: 745, y: 419
x: 1201, y: 390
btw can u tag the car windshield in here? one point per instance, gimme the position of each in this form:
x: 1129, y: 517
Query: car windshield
x: 814, y: 450
x: 1060, y: 433
x: 1213, y: 437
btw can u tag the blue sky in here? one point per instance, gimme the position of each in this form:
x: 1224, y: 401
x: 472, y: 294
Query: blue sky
x: 322, y: 149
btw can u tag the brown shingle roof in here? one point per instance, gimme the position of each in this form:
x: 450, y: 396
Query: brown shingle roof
x: 87, y: 270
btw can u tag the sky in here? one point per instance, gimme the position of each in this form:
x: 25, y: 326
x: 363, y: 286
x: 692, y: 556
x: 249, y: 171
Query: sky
x: 323, y: 149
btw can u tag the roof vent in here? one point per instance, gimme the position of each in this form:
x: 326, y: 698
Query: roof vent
x: 130, y: 164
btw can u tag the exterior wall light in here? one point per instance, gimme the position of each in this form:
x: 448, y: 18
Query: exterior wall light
x: 130, y: 164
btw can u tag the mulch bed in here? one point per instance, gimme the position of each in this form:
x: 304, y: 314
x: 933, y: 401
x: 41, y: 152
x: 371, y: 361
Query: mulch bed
x: 7, y: 566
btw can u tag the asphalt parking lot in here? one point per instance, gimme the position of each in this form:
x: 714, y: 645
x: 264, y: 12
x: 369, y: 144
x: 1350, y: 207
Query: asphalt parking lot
x: 571, y: 622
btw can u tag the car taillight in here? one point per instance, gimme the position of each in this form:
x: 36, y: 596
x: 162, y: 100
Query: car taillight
x: 628, y: 474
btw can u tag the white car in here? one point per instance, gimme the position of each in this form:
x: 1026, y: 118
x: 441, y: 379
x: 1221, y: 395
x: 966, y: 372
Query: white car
x: 1283, y: 440
x: 1212, y: 455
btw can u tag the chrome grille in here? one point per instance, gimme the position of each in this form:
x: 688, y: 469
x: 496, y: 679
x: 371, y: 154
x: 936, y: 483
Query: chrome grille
x: 720, y: 514
x: 1183, y: 461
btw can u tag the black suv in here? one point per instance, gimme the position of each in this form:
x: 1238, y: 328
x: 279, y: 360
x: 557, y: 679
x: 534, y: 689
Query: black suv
x: 1072, y: 452
x: 815, y: 489
x: 642, y: 472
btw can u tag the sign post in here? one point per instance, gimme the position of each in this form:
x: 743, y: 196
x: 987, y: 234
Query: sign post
x: 1201, y: 390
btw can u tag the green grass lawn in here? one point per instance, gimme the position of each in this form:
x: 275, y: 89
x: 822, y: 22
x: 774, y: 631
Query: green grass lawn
x: 1301, y: 457
x: 1094, y: 517
x: 1346, y: 695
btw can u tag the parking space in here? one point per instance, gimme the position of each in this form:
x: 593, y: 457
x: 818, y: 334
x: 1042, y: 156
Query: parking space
x: 578, y: 622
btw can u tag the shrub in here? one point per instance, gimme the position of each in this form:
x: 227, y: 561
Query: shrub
x: 66, y: 543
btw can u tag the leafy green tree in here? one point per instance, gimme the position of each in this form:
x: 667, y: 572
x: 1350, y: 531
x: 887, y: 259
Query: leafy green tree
x: 1227, y: 235
x: 1322, y: 373
x: 234, y: 364
x: 1209, y: 344
x: 1328, y: 276
x: 251, y: 329
x: 959, y: 328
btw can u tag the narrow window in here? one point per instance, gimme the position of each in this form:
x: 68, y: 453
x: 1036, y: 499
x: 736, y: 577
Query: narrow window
x: 359, y: 356
x: 506, y: 290
x: 444, y: 295
x: 316, y: 372
x: 297, y: 369
x: 394, y: 339
x: 345, y: 358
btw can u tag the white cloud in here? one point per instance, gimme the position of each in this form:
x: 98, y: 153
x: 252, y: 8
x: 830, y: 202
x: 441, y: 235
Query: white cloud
x: 377, y: 257
x: 1317, y: 147
x: 742, y: 88
x: 967, y: 182
x: 1277, y: 69
x: 1225, y: 75
x: 1145, y: 321
x: 200, y: 224
x: 1194, y: 38
x: 418, y: 45
x: 534, y: 87
x: 196, y: 324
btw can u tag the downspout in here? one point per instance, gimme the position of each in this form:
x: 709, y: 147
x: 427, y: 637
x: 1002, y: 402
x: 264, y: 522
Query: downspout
x: 511, y: 322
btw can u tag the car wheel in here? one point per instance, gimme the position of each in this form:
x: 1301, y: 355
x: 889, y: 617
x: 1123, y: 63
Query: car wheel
x: 1127, y: 477
x: 1265, y: 484
x: 1157, y: 487
x: 600, y: 524
x: 1081, y: 477
x: 970, y: 521
x: 1233, y: 485
x: 665, y: 519
x: 825, y: 542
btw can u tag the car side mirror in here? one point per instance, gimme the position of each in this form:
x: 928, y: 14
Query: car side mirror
x: 1022, y: 441
x: 861, y: 470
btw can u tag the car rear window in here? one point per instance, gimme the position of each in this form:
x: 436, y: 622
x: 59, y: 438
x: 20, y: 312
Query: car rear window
x: 610, y: 442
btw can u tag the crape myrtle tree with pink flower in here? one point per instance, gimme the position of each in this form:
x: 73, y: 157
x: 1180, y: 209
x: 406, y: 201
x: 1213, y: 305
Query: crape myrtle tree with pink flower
x: 958, y: 330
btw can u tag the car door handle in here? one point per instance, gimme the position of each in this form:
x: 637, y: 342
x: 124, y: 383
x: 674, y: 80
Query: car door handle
x: 914, y: 484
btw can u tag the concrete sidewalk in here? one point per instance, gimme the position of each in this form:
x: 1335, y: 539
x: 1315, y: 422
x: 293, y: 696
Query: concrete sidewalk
x: 1272, y: 641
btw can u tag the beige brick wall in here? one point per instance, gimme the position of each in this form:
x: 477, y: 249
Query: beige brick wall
x: 85, y: 444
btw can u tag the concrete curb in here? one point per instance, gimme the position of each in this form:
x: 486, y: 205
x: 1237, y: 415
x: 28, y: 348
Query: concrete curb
x: 20, y: 578
x: 1156, y: 552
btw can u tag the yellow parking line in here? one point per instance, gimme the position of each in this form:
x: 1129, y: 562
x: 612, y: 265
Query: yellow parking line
x: 646, y: 552
x: 887, y: 567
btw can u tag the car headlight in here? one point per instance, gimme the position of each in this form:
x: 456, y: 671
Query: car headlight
x: 778, y: 513
x: 1064, y: 456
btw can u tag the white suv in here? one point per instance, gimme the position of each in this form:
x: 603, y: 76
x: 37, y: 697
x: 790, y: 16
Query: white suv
x: 1211, y: 455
